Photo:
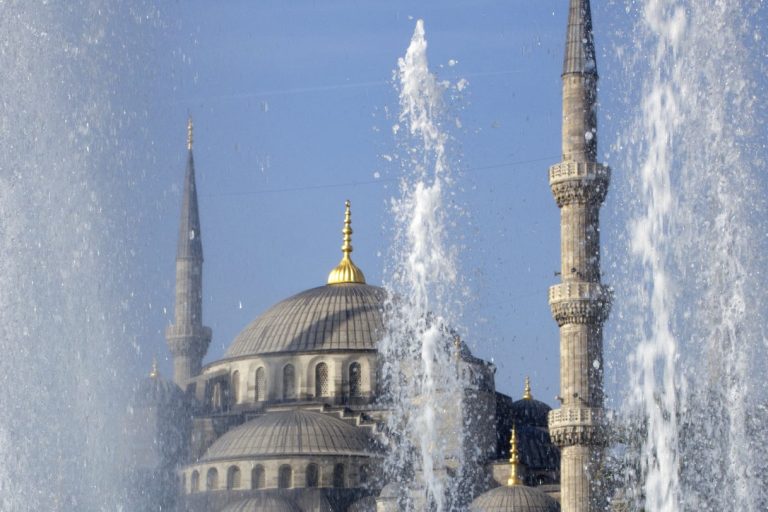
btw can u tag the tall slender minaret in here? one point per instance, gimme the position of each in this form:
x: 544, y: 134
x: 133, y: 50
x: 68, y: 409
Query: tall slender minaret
x: 580, y: 303
x: 187, y: 338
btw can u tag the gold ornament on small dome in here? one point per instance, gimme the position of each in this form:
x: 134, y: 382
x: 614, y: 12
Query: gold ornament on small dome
x: 527, y: 390
x: 346, y: 271
x: 514, y: 461
x: 154, y: 372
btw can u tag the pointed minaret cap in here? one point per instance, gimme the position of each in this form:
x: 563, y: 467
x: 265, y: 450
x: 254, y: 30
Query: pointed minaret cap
x: 190, y: 133
x: 190, y: 244
x: 154, y: 372
x: 579, y: 42
x: 346, y: 271
x: 527, y: 390
x: 514, y: 461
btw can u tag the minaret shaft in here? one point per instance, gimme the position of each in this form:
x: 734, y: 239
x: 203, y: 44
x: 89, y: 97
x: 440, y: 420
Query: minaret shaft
x: 580, y: 303
x: 187, y: 338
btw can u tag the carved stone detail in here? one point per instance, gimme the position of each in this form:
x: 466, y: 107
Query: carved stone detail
x: 579, y: 182
x: 183, y: 341
x: 579, y: 303
x: 577, y: 426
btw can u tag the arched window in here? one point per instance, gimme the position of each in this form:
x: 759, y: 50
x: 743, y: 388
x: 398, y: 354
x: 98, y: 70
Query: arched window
x: 312, y: 475
x: 261, y: 384
x: 321, y: 380
x: 195, y: 483
x: 257, y: 477
x: 212, y: 480
x: 289, y: 382
x: 233, y: 477
x: 355, y: 376
x: 285, y: 477
x: 235, y: 386
x: 338, y: 475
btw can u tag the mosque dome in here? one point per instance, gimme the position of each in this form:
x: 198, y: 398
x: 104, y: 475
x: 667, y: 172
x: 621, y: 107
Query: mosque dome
x: 155, y: 391
x: 528, y: 411
x: 262, y: 504
x: 346, y: 316
x: 516, y: 498
x: 291, y: 432
x: 343, y: 315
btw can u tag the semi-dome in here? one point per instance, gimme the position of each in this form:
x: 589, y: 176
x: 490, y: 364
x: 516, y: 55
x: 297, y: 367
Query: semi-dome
x: 288, y: 433
x: 346, y: 316
x: 516, y: 498
x: 262, y: 504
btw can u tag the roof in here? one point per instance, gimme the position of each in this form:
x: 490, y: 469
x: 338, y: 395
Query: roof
x: 516, y: 498
x: 529, y: 411
x: 190, y: 244
x: 156, y: 392
x: 296, y: 432
x: 265, y: 503
x: 331, y: 317
x: 579, y: 43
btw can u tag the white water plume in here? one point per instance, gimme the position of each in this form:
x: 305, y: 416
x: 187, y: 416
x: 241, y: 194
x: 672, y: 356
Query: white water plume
x: 418, y: 350
x: 64, y: 264
x: 697, y: 239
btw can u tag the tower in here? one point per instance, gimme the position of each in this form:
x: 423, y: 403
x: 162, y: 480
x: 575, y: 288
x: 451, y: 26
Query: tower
x: 187, y: 338
x: 580, y: 303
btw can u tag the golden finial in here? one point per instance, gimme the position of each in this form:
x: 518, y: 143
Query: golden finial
x: 190, y: 130
x: 346, y: 271
x: 527, y: 391
x: 154, y: 372
x: 514, y: 461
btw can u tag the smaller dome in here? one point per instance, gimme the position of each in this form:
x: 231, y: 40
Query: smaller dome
x: 367, y: 504
x: 293, y: 432
x: 390, y: 491
x: 155, y: 391
x: 262, y: 504
x: 516, y: 498
x: 528, y: 411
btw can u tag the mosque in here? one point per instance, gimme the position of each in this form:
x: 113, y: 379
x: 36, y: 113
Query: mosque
x: 291, y: 417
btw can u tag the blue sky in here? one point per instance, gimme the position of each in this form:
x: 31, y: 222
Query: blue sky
x: 293, y: 105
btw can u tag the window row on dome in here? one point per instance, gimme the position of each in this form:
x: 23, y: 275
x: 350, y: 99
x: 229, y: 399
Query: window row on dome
x: 296, y: 378
x: 336, y: 476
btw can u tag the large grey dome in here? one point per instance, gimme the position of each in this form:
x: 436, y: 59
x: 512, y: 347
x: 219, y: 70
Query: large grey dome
x: 262, y: 504
x: 332, y: 317
x: 294, y: 432
x: 516, y: 498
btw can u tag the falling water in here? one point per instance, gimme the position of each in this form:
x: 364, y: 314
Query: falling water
x: 420, y: 372
x: 62, y: 322
x: 698, y: 231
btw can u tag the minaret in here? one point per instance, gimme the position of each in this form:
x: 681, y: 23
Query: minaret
x: 580, y: 304
x: 187, y: 338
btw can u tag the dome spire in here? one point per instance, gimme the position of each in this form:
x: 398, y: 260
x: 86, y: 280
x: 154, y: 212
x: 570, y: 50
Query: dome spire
x: 346, y: 271
x: 527, y: 390
x: 514, y: 461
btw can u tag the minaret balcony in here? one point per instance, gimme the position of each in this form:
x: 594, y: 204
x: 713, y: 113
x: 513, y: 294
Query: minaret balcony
x: 579, y: 182
x: 571, y: 426
x: 579, y: 302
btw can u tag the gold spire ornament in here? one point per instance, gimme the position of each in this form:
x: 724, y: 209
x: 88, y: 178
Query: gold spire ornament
x: 190, y: 130
x: 527, y: 391
x: 346, y: 271
x: 514, y: 461
x: 154, y: 372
